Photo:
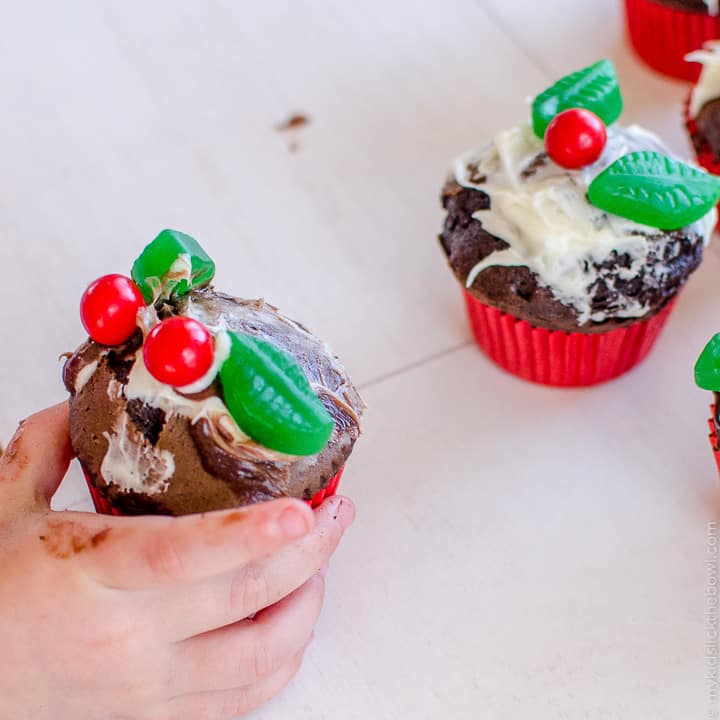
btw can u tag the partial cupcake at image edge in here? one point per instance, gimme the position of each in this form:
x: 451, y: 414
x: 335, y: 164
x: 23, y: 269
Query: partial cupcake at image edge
x: 707, y: 377
x: 185, y: 399
x: 702, y: 110
x: 571, y: 236
x: 663, y: 32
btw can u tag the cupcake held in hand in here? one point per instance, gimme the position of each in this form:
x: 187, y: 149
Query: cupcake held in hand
x: 187, y: 400
x: 571, y: 235
x: 663, y: 32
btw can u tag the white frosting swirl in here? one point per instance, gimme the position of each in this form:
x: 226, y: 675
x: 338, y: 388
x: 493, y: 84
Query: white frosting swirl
x: 81, y: 380
x: 708, y: 85
x: 541, y: 210
x: 143, y: 386
x: 132, y: 463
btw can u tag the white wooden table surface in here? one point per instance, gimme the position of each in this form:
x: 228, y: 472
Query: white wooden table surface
x: 520, y: 551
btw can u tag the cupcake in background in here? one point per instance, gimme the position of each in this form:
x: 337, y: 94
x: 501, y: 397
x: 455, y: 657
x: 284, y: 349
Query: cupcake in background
x: 663, y: 32
x: 702, y: 113
x: 571, y: 235
x: 187, y: 400
x: 707, y: 377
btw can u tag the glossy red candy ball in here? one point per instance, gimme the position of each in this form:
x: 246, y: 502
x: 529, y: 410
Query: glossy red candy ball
x: 109, y: 309
x: 575, y: 138
x: 179, y: 351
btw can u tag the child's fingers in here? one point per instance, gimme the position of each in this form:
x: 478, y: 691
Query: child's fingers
x: 233, y: 703
x: 36, y: 460
x: 148, y: 552
x: 251, y: 650
x: 226, y: 599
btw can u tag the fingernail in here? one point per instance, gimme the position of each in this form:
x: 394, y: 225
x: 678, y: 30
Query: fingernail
x: 293, y: 523
x: 323, y: 571
x: 344, y: 513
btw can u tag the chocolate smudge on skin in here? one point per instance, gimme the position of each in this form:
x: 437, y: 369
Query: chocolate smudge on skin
x: 337, y: 511
x: 234, y: 517
x: 13, y: 454
x: 64, y: 539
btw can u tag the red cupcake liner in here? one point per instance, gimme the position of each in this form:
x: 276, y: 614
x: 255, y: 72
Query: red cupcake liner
x: 558, y: 358
x: 704, y: 158
x: 329, y: 490
x: 662, y: 36
x: 714, y: 437
x: 104, y: 507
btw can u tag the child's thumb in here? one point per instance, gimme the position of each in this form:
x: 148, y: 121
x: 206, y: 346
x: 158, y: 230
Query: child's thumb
x: 35, y: 461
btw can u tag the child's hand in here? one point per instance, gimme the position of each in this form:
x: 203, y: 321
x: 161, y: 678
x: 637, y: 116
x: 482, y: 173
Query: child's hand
x: 142, y: 618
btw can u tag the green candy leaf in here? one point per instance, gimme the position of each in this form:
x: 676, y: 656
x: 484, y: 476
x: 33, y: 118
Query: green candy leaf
x: 594, y: 88
x: 172, y: 263
x: 655, y: 190
x: 267, y: 393
x: 707, y: 368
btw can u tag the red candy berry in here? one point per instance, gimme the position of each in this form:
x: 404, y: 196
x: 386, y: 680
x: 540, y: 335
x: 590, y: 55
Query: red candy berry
x: 109, y: 309
x: 575, y: 138
x: 179, y: 351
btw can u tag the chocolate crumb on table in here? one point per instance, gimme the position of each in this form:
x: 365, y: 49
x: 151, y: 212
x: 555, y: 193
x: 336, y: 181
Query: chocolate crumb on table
x: 293, y: 122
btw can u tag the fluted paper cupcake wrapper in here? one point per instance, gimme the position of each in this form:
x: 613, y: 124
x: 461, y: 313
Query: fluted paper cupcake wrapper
x: 556, y: 357
x: 714, y: 437
x: 105, y: 507
x: 662, y: 36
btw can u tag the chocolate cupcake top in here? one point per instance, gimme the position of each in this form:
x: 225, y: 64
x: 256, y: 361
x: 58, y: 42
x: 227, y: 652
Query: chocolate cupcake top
x: 569, y: 240
x: 704, y: 104
x: 269, y: 411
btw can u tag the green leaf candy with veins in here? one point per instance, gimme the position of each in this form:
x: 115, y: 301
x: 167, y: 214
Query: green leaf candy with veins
x: 655, y: 190
x: 707, y: 368
x: 594, y: 88
x: 269, y: 396
x: 172, y: 264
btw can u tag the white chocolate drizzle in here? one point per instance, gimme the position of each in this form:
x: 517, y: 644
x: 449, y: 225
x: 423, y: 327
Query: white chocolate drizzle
x: 132, y: 463
x: 143, y: 386
x: 542, y: 211
x: 85, y: 374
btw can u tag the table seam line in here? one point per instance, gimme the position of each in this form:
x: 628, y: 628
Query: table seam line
x: 506, y: 30
x: 391, y: 374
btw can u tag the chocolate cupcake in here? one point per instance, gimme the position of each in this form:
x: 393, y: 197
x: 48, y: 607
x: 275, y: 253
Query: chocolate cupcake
x: 663, y: 32
x: 571, y: 238
x: 188, y: 400
x: 702, y: 112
